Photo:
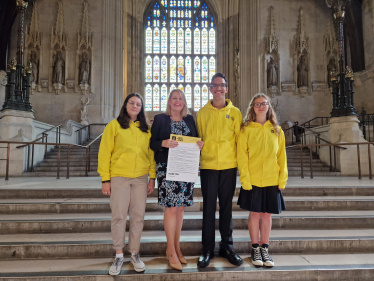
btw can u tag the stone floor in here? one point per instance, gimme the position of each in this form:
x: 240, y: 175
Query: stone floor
x: 60, y: 230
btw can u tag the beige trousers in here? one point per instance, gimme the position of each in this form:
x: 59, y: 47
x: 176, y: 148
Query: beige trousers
x: 128, y: 196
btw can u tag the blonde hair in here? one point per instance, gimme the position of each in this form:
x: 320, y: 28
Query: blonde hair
x: 250, y: 116
x: 184, y: 110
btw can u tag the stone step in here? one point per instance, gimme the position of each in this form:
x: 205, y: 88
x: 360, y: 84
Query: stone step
x: 91, y: 188
x: 94, y: 168
x: 101, y: 205
x: 153, y: 243
x: 333, y: 267
x: 85, y: 223
x: 94, y: 173
x: 62, y: 174
x: 50, y: 163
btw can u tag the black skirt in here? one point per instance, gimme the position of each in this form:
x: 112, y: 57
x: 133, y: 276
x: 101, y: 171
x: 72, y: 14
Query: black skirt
x: 267, y: 199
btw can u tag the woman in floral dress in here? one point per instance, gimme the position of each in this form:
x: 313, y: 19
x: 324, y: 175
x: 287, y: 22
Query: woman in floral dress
x: 173, y: 195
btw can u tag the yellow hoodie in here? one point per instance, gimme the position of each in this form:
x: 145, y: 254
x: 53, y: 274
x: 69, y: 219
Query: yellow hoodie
x: 262, y: 159
x: 219, y: 130
x: 125, y: 152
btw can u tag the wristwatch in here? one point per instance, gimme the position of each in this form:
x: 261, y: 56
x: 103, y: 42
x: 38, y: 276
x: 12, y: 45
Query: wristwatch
x: 105, y: 181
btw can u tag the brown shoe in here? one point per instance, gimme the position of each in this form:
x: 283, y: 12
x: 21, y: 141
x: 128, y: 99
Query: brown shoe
x: 177, y: 266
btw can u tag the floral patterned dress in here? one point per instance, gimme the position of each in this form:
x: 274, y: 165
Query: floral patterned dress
x: 174, y: 193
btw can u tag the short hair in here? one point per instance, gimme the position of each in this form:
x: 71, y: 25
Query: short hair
x: 184, y: 110
x: 218, y: 74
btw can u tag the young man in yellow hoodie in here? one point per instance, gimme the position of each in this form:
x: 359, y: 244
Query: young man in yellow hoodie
x: 218, y: 124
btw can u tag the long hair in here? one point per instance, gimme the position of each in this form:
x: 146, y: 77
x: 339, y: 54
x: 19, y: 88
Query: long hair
x: 184, y: 110
x: 124, y: 118
x: 250, y: 116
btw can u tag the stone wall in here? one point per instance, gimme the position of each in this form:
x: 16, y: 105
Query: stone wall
x: 118, y: 60
x: 106, y: 55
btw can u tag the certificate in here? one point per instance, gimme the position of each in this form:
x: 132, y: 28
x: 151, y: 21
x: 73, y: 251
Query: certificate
x: 183, y: 160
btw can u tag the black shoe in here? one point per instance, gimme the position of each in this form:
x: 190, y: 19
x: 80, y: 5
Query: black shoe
x: 204, y: 260
x: 256, y: 255
x: 231, y: 256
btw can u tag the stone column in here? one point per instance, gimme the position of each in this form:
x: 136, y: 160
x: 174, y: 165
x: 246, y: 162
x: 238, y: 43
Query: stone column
x: 249, y: 51
x: 112, y: 54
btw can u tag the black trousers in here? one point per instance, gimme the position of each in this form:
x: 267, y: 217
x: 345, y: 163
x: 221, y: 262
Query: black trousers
x: 221, y: 184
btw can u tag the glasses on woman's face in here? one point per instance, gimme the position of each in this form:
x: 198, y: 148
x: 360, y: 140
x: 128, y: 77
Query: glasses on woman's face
x: 262, y: 104
x: 135, y: 103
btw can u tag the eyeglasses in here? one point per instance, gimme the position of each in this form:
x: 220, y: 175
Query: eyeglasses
x: 134, y: 103
x: 215, y: 86
x: 264, y: 104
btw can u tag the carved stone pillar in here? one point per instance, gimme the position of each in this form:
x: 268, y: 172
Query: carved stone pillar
x: 249, y: 51
x: 112, y: 53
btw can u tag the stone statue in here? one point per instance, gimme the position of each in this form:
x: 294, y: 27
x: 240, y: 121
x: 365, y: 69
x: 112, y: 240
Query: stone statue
x: 59, y: 69
x: 34, y: 67
x: 84, y: 70
x: 272, y: 73
x: 302, y: 73
x: 331, y: 67
x: 84, y: 112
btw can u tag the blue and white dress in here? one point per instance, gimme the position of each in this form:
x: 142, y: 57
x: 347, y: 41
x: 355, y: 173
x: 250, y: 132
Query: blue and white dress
x: 174, y: 193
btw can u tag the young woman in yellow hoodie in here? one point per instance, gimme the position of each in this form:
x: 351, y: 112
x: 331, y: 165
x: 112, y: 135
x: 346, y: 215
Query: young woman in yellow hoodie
x: 262, y: 164
x: 125, y: 161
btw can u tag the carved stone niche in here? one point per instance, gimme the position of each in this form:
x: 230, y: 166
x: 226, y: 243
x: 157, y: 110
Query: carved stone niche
x: 271, y: 59
x: 83, y: 72
x: 84, y: 55
x: 59, y: 55
x: 33, y: 49
x: 301, y: 62
x: 272, y: 74
x: 58, y: 71
x: 331, y: 55
x: 33, y: 56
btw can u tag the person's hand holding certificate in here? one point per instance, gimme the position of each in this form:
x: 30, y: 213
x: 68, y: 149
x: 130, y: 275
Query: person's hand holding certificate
x: 183, y: 160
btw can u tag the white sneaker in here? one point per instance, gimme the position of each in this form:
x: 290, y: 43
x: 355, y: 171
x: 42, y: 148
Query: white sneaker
x: 139, y: 266
x: 115, y: 269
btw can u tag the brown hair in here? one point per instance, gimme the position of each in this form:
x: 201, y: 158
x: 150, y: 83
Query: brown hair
x: 184, y: 110
x: 124, y: 118
x: 250, y: 116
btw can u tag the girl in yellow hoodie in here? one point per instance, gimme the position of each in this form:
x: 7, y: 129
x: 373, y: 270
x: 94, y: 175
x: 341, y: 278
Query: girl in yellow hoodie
x: 262, y: 164
x: 125, y: 161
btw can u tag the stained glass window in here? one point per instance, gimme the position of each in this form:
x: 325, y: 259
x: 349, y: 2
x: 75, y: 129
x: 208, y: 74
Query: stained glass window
x: 204, y: 96
x: 156, y: 69
x: 204, y: 70
x: 212, y: 67
x: 164, y: 69
x: 156, y: 97
x: 148, y: 69
x: 173, y: 69
x: 164, y: 97
x: 188, y: 73
x: 180, y: 47
x: 180, y: 69
x: 148, y: 98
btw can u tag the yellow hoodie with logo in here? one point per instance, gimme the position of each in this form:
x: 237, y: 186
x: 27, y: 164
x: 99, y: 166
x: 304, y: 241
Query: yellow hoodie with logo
x: 219, y: 130
x: 262, y: 159
x: 125, y: 152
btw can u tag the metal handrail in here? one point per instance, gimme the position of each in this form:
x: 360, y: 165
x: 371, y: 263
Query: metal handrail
x: 88, y: 153
x: 345, y: 144
x: 44, y: 135
x: 89, y: 130
x: 315, y: 118
x: 41, y: 143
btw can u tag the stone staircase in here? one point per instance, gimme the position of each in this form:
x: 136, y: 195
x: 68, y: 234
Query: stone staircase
x: 48, y: 168
x: 60, y: 230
